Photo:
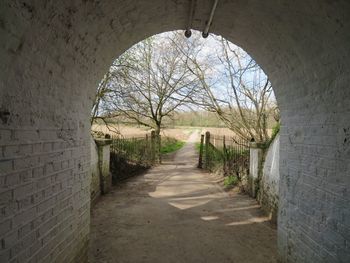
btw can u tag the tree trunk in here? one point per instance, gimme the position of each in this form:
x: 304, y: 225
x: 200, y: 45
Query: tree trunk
x: 157, y: 130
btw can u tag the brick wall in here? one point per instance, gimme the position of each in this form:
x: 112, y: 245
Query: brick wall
x: 313, y: 223
x: 44, y: 147
x: 53, y: 55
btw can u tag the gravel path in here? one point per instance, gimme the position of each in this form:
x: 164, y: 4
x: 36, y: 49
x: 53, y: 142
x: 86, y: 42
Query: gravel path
x: 178, y: 213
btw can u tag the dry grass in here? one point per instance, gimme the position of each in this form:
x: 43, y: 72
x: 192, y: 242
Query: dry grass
x: 224, y: 131
x: 218, y: 131
x: 124, y: 131
x: 179, y: 133
x: 134, y: 131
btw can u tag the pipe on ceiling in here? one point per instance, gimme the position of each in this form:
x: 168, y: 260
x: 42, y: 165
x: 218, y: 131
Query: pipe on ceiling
x: 207, y: 27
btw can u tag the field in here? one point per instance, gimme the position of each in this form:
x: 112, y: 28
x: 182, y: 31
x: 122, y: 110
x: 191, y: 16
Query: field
x: 218, y: 131
x: 179, y: 132
x: 122, y: 130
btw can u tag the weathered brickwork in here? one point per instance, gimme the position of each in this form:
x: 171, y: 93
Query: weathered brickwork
x: 53, y: 54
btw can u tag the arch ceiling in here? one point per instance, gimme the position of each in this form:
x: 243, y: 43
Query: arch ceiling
x: 54, y: 54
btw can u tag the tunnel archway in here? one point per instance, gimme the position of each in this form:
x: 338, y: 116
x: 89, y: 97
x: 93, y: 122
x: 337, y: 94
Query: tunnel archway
x: 54, y: 54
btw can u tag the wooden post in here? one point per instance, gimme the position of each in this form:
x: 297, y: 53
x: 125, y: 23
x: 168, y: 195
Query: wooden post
x: 200, y: 160
x: 159, y: 142
x: 225, y: 154
x: 207, y: 141
x: 153, y: 146
x: 146, y: 152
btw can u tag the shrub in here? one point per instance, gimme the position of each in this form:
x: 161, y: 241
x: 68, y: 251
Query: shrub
x: 275, y: 130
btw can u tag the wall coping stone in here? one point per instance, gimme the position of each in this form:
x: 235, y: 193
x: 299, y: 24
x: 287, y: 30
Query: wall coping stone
x: 256, y: 145
x: 103, y: 142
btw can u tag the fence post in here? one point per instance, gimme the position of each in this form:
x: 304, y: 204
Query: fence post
x: 104, y: 164
x: 207, y: 141
x: 225, y: 155
x: 200, y: 160
x: 153, y: 146
x: 255, y: 162
x: 159, y: 142
x: 146, y: 153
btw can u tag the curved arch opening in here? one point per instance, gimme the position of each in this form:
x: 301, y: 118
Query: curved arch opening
x: 54, y: 55
x: 167, y: 73
x: 155, y: 85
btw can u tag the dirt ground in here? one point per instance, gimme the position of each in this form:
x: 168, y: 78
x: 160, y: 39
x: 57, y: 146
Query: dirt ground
x: 178, y: 213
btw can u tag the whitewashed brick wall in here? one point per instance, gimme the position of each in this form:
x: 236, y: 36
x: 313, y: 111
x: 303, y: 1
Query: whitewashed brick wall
x: 269, y: 184
x: 54, y: 53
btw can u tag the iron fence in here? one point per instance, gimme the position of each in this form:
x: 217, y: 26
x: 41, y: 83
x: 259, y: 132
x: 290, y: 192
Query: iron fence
x: 131, y: 155
x: 230, y: 153
x: 138, y: 150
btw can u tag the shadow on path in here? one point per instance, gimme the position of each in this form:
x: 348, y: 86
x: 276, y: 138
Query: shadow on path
x: 177, y: 213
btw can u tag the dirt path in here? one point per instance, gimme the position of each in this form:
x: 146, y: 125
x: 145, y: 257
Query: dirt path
x: 177, y: 213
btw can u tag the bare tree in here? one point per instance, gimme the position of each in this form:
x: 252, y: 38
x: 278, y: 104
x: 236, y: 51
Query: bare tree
x: 161, y: 74
x: 148, y: 82
x: 99, y: 110
x: 241, y: 95
x: 101, y: 92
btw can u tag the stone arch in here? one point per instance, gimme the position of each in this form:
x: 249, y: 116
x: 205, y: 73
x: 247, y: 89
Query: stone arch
x: 53, y: 55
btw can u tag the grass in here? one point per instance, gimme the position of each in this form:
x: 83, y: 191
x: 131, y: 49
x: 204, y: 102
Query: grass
x: 170, y: 145
x: 230, y: 181
x: 198, y: 146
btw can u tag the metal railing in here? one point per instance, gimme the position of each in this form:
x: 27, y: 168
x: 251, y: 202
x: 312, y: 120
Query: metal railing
x: 230, y: 153
x: 131, y: 154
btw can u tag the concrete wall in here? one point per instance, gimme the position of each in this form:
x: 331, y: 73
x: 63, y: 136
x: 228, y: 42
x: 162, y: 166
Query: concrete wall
x: 54, y: 53
x: 269, y: 184
x: 255, y: 162
x: 100, y: 176
x: 104, y: 153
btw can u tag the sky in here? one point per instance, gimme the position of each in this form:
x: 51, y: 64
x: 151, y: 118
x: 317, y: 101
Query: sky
x: 211, y: 48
